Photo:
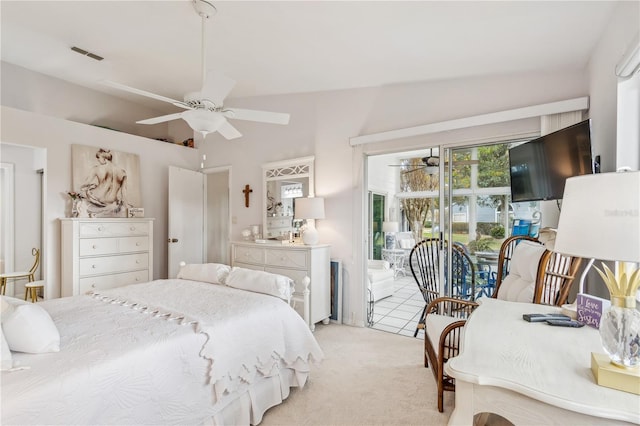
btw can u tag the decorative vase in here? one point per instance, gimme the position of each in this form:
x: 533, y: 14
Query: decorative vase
x: 620, y: 324
x: 620, y: 332
x: 75, y: 207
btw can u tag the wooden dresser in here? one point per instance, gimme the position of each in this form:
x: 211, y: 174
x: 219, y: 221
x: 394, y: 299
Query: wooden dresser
x: 296, y: 262
x: 98, y: 254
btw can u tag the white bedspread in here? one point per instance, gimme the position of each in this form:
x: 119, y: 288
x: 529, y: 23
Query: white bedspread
x: 156, y: 355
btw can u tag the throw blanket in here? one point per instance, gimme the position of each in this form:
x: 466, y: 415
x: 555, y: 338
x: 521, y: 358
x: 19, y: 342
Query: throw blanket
x: 247, y: 333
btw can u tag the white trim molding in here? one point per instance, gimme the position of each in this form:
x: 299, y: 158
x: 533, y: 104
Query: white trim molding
x: 576, y: 104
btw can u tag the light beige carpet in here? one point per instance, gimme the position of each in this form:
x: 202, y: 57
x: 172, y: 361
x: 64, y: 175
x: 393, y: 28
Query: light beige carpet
x: 368, y: 377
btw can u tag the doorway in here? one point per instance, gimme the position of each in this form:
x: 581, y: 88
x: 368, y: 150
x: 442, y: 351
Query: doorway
x: 460, y: 195
x: 22, y: 180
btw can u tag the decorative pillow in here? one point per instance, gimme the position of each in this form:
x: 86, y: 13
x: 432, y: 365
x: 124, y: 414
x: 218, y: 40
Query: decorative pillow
x: 215, y: 273
x: 7, y: 362
x: 261, y: 282
x: 29, y: 328
x: 519, y: 285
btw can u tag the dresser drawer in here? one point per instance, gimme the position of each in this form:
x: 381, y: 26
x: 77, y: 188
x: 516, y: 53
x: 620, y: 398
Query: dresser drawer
x: 110, y: 264
x: 113, y: 229
x: 287, y: 258
x: 245, y: 254
x: 105, y: 282
x: 100, y: 246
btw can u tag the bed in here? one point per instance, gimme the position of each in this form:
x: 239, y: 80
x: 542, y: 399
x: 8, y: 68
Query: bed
x: 177, y: 351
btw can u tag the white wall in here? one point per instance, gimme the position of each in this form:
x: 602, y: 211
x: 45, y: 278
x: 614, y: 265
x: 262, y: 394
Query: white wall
x: 57, y: 136
x: 623, y: 26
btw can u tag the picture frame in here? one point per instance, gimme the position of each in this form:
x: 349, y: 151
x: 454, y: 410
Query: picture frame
x: 107, y: 181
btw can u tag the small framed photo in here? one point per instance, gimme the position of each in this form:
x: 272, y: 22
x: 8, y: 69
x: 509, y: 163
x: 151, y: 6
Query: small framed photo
x: 135, y: 212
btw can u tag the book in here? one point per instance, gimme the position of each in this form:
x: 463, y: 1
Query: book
x: 612, y: 376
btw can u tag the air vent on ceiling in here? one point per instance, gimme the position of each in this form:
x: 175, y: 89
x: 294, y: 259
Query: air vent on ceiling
x: 85, y: 53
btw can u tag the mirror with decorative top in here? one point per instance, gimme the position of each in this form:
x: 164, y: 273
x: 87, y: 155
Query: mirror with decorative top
x: 283, y: 183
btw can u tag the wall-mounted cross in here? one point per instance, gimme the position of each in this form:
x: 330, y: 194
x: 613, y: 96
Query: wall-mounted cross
x: 246, y: 191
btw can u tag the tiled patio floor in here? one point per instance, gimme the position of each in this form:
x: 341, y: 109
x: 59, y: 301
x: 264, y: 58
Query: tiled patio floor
x: 400, y: 312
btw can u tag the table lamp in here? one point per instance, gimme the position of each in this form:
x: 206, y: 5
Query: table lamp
x: 390, y: 227
x: 309, y: 209
x: 600, y: 219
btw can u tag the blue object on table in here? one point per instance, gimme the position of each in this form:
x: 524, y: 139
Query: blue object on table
x: 521, y: 227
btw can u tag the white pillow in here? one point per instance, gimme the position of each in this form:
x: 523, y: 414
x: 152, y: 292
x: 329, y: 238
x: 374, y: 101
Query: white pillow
x: 519, y: 285
x: 261, y: 282
x: 6, y: 361
x: 215, y: 273
x: 29, y: 328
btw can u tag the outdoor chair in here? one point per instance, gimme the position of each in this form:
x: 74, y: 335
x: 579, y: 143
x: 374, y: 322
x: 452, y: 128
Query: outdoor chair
x: 463, y: 274
x: 444, y: 330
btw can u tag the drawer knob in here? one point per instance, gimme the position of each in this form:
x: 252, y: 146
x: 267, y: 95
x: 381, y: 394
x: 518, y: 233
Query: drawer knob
x: 137, y: 278
x: 93, y: 266
x: 283, y: 258
x: 133, y: 228
x: 100, y: 228
x: 93, y: 285
x: 137, y: 244
x: 137, y: 261
x: 94, y: 246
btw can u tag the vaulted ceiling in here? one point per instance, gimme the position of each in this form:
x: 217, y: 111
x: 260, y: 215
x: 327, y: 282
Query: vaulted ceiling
x: 277, y: 47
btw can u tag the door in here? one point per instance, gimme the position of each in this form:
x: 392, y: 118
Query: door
x: 186, y: 218
x: 217, y: 222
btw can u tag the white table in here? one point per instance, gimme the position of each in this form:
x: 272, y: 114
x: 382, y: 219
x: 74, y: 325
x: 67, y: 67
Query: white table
x: 396, y: 258
x: 532, y: 373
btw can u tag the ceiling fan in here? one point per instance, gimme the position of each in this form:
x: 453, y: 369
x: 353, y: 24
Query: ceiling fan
x: 430, y: 164
x: 205, y: 110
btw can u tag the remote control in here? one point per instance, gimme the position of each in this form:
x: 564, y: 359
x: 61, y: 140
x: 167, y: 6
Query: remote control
x: 565, y: 323
x: 544, y: 317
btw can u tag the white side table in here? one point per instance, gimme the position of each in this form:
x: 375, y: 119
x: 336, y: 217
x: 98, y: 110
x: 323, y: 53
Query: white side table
x: 396, y: 258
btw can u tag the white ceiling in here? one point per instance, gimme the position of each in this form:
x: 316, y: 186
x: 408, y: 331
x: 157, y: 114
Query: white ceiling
x: 276, y: 47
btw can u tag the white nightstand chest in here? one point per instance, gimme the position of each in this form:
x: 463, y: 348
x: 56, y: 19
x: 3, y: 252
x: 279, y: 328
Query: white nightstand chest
x: 296, y: 262
x: 98, y: 254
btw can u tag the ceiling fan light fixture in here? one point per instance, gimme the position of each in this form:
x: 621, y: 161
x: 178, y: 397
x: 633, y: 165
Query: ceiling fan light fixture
x: 203, y: 121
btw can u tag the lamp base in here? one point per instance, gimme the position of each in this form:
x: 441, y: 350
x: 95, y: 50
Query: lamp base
x: 310, y: 236
x: 611, y: 376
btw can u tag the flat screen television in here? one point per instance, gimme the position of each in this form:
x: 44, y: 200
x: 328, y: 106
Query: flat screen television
x: 540, y: 167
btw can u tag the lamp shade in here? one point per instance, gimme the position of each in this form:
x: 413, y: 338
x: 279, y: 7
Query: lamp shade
x: 390, y: 227
x: 309, y: 208
x: 600, y: 217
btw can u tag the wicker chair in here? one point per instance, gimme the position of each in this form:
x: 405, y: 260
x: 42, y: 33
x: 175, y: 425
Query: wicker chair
x: 424, y: 263
x: 554, y: 276
x: 444, y: 321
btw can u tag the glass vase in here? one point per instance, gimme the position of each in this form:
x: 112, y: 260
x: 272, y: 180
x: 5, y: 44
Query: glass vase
x: 620, y: 335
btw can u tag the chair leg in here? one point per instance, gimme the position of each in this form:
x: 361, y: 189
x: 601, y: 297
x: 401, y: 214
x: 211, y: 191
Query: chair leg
x: 3, y: 285
x: 421, y: 321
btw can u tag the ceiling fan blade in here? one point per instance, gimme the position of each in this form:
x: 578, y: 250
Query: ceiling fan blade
x: 253, y: 115
x: 161, y: 119
x: 216, y: 87
x: 228, y: 131
x: 144, y: 93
